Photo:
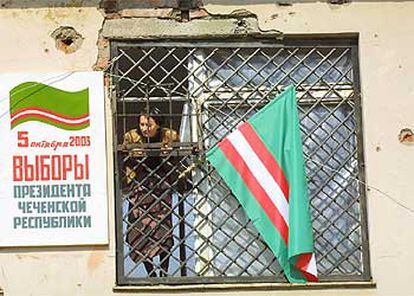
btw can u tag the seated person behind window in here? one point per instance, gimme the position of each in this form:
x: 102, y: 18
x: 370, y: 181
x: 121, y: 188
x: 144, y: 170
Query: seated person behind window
x: 150, y: 224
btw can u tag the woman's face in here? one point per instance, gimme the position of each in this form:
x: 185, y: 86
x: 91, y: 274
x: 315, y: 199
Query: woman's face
x: 148, y: 126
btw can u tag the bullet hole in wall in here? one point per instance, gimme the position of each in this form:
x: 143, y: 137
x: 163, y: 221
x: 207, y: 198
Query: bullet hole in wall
x: 406, y: 136
x: 67, y: 39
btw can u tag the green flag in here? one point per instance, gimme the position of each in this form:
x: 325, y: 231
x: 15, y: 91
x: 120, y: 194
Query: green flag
x: 34, y: 101
x: 262, y: 163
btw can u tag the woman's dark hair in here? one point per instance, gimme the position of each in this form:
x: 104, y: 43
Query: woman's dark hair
x: 154, y: 112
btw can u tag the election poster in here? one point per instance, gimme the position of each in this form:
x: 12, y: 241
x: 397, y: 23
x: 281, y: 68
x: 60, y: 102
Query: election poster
x: 52, y: 159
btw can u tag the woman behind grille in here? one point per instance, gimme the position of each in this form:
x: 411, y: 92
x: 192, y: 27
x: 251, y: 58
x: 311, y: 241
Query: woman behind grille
x: 150, y: 223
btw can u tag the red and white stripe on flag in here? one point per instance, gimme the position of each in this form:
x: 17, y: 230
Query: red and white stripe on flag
x: 262, y: 163
x: 242, y: 149
x: 266, y: 181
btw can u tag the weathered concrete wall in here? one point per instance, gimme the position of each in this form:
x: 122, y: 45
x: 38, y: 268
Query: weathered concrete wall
x: 386, y: 33
x: 27, y: 45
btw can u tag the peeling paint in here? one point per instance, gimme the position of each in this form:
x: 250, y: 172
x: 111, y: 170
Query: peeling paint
x: 238, y: 22
x: 56, y: 15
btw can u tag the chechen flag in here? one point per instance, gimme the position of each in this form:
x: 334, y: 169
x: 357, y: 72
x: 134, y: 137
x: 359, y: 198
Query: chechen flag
x: 262, y: 163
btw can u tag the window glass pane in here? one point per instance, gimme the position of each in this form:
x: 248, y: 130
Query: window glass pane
x: 254, y: 68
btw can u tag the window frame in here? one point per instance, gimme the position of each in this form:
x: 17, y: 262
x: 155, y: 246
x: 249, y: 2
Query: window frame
x: 298, y: 41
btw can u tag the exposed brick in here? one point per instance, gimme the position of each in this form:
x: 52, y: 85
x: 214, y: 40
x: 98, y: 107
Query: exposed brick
x: 162, y: 12
x: 102, y: 42
x: 101, y: 64
x: 198, y: 13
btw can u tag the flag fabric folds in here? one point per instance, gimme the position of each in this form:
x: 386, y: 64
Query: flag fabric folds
x: 262, y: 163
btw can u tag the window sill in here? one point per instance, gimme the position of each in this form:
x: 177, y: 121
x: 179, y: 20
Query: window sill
x: 232, y: 287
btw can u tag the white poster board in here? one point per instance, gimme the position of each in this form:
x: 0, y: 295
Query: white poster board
x: 52, y: 159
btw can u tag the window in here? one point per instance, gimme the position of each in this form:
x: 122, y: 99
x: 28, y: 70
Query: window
x: 177, y: 222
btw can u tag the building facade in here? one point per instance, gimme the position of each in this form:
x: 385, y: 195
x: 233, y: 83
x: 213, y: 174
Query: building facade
x: 207, y: 66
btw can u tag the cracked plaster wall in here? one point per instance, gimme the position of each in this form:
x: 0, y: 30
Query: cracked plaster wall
x: 27, y: 45
x: 386, y: 36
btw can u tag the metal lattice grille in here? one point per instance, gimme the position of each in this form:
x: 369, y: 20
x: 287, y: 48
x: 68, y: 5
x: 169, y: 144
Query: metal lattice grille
x: 177, y: 220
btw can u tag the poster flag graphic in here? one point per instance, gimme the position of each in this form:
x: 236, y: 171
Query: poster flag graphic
x: 262, y: 163
x: 39, y: 102
x: 53, y: 160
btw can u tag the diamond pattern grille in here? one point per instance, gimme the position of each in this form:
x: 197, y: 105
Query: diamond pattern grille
x: 177, y: 220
